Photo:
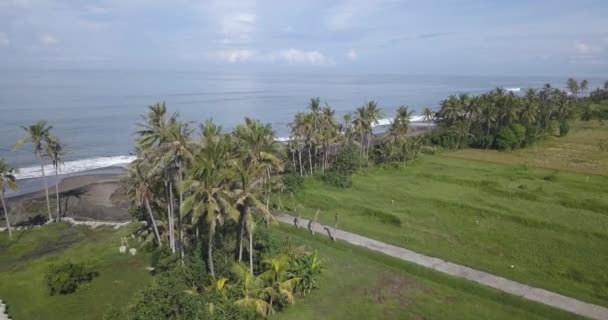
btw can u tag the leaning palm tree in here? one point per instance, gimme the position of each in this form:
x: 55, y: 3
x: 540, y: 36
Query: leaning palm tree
x: 139, y: 187
x: 7, y: 179
x: 37, y: 135
x: 55, y: 151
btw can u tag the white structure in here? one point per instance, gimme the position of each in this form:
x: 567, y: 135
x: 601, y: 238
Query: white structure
x: 132, y: 251
x: 122, y: 249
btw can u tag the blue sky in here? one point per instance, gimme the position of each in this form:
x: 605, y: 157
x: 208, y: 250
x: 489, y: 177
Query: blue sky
x: 539, y: 37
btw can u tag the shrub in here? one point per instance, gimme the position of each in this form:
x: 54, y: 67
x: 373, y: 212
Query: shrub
x: 519, y: 132
x: 428, y: 150
x: 338, y: 179
x: 506, y: 139
x: 65, y: 278
x: 564, y: 127
x: 293, y: 182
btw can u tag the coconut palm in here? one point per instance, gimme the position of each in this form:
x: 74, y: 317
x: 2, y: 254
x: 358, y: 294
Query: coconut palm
x: 249, y: 287
x: 7, y: 179
x: 38, y: 134
x: 427, y: 114
x: 140, y: 190
x: 361, y: 126
x: 279, y: 286
x: 572, y: 86
x: 373, y: 113
x: 55, y: 151
x: 209, y: 198
x: 529, y: 110
x: 399, y: 126
x: 584, y: 86
x: 450, y: 110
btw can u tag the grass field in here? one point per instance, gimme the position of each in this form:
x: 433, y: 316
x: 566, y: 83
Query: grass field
x: 543, y: 227
x: 579, y: 151
x: 361, y: 284
x: 357, y: 284
x: 23, y: 263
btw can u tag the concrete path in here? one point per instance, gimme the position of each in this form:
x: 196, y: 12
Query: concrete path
x: 534, y: 294
x: 3, y: 315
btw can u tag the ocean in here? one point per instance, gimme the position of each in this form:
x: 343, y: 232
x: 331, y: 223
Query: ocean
x: 95, y: 112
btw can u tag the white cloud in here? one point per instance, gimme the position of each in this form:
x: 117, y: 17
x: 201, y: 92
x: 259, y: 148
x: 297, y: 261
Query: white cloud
x: 294, y: 56
x: 48, y: 39
x: 235, y: 56
x: 238, y: 26
x: 4, y: 42
x: 352, y: 54
x: 585, y: 49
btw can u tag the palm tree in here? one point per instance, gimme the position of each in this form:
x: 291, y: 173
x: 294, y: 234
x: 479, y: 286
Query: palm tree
x: 249, y: 286
x: 373, y: 113
x: 450, y: 110
x: 584, y: 86
x: 572, y: 85
x: 399, y: 126
x: 139, y: 187
x: 208, y: 195
x: 529, y: 112
x: 280, y: 285
x: 37, y: 135
x: 427, y: 114
x: 158, y: 129
x: 361, y: 126
x: 55, y: 151
x: 7, y: 179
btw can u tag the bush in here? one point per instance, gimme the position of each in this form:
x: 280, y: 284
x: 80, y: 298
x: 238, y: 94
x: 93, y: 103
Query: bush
x: 519, y: 132
x: 428, y: 150
x: 564, y: 127
x: 337, y: 179
x: 293, y: 182
x: 506, y: 139
x: 65, y: 278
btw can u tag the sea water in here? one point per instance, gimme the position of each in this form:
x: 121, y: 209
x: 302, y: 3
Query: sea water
x: 95, y: 112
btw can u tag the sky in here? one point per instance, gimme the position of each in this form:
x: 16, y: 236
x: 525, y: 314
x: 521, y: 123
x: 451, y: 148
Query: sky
x: 462, y: 37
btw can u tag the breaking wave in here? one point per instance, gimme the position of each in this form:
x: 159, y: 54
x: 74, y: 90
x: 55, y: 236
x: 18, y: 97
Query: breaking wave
x: 75, y: 166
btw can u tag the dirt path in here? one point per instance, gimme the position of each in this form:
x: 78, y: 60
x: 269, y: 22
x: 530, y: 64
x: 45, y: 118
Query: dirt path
x: 527, y: 292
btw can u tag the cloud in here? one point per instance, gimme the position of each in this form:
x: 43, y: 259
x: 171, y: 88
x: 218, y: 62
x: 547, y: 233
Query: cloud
x: 48, y: 39
x: 585, y: 49
x: 294, y: 56
x: 235, y: 56
x: 238, y: 26
x: 4, y: 42
x: 352, y: 54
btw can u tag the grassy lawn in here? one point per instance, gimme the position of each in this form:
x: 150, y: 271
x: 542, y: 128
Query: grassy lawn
x: 361, y: 284
x: 542, y: 227
x: 23, y: 263
x: 579, y: 151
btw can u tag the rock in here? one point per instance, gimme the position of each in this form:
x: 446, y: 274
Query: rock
x: 122, y: 249
x: 132, y: 251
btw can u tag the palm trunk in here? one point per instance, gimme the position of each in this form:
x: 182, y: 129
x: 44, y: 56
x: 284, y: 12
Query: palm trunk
x: 179, y: 215
x: 8, y: 223
x: 210, y: 252
x: 46, y: 188
x: 293, y: 158
x: 172, y: 215
x: 155, y: 228
x: 250, y: 250
x: 242, y: 223
x: 169, y: 224
x: 57, y: 193
x: 310, y: 161
x: 300, y: 158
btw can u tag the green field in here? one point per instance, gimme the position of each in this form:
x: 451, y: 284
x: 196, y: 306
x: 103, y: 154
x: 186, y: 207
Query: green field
x: 24, y: 261
x: 357, y: 284
x: 538, y: 226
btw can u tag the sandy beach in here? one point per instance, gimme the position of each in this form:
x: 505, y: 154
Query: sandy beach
x: 92, y: 196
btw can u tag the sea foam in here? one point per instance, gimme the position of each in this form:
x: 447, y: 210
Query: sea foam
x: 75, y: 166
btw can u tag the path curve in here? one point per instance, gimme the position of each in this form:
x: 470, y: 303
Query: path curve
x: 509, y: 286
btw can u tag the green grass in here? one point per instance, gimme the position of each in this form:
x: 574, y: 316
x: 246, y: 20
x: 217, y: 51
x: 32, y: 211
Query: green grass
x: 551, y: 226
x: 361, y: 284
x: 24, y: 261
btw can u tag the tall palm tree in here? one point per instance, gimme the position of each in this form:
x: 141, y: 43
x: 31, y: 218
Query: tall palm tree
x: 373, y: 113
x: 37, y: 135
x: 7, y: 179
x: 450, y: 110
x: 572, y: 86
x: 399, y: 126
x: 209, y: 198
x: 428, y: 115
x: 529, y: 111
x: 361, y: 127
x: 139, y: 187
x: 157, y: 129
x: 55, y: 151
x: 584, y: 86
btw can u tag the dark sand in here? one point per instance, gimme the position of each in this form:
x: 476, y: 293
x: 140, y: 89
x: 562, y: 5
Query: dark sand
x: 85, y: 197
